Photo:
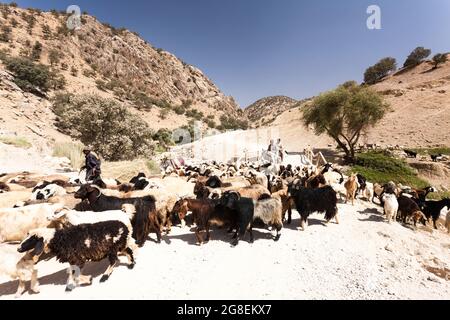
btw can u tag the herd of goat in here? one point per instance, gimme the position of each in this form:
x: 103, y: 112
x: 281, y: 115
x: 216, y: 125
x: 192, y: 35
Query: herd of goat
x: 77, y: 222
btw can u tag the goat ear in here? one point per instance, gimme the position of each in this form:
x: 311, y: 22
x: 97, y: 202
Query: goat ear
x: 39, y: 248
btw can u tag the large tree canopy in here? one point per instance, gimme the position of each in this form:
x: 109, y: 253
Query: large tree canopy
x: 345, y: 113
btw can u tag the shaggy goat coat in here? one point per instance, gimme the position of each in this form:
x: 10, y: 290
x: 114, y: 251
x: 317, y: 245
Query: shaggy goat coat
x: 309, y: 201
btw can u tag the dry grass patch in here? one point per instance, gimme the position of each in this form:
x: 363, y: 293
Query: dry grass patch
x: 16, y: 141
x: 125, y: 170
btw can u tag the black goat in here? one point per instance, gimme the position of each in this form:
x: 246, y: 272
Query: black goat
x: 80, y: 244
x: 242, y: 209
x: 144, y: 220
x: 362, y: 181
x: 432, y: 209
x: 408, y: 208
x: 411, y: 154
x: 437, y: 157
x: 309, y: 201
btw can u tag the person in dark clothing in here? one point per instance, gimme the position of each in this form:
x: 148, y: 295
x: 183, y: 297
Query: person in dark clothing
x: 92, y: 165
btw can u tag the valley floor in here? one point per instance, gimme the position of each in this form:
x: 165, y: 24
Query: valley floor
x: 362, y: 258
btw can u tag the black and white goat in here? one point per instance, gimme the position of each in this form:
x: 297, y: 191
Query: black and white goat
x: 308, y: 201
x: 79, y: 244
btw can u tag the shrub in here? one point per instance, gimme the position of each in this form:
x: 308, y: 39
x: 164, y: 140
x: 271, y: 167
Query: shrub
x: 47, y: 32
x: 211, y: 123
x: 74, y: 71
x: 230, y: 123
x: 36, y: 51
x: 14, y: 22
x: 164, y: 137
x: 88, y: 73
x: 5, y: 35
x: 382, y: 168
x: 194, y: 113
x: 416, y: 57
x: 54, y: 56
x: 109, y: 127
x: 179, y: 110
x: 33, y: 77
x: 101, y: 85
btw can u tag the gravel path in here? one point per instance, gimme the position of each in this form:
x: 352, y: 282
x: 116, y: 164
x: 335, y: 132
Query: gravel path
x: 362, y: 258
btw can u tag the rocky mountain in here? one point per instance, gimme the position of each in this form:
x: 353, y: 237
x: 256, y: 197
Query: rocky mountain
x: 265, y: 111
x: 114, y: 63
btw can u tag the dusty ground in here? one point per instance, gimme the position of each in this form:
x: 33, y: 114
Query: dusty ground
x: 362, y: 258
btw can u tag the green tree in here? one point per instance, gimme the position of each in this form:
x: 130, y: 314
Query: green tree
x: 439, y: 59
x: 380, y: 70
x: 109, y: 127
x: 416, y: 57
x: 344, y: 113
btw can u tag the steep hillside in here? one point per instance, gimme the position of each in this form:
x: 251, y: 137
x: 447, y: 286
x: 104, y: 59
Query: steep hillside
x: 98, y: 58
x: 265, y: 110
x: 420, y: 102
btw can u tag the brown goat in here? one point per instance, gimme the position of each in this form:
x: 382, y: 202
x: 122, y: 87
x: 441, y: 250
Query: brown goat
x: 286, y: 201
x: 202, y: 211
x: 351, y: 186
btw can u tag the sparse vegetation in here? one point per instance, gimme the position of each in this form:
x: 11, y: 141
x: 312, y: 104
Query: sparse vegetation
x: 164, y: 138
x: 380, y: 70
x: 14, y: 22
x: 16, y: 141
x: 433, y: 151
x: 54, y: 56
x: 71, y: 151
x: 195, y: 114
x: 163, y: 113
x: 5, y: 11
x: 231, y: 123
x: 382, y: 168
x: 416, y: 57
x: 109, y: 127
x: 36, y: 51
x: 89, y: 73
x: 5, y: 35
x: 153, y: 167
x: 344, y: 113
x: 47, y: 32
x: 30, y: 20
x: 74, y: 71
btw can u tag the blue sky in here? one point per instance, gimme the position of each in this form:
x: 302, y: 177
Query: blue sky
x: 257, y: 48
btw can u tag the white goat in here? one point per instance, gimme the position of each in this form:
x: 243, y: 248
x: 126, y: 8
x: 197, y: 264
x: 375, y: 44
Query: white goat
x: 17, y: 222
x: 390, y: 206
